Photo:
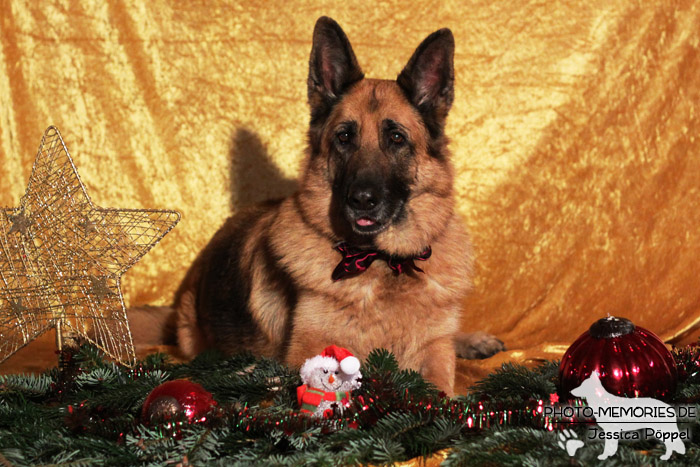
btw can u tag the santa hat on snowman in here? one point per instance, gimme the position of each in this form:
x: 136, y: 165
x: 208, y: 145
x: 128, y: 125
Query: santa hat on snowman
x: 328, y: 379
x: 332, y: 357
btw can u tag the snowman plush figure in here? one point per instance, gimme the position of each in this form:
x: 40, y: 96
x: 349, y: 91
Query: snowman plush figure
x: 328, y: 380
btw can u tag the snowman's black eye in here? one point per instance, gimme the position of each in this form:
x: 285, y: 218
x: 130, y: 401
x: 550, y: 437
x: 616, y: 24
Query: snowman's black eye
x: 336, y: 372
x: 325, y: 371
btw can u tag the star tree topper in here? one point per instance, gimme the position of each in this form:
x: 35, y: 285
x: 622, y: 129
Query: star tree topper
x: 62, y: 258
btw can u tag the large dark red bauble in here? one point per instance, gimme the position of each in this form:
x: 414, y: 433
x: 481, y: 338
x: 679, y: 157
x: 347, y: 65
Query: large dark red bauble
x: 631, y: 361
x: 178, y: 398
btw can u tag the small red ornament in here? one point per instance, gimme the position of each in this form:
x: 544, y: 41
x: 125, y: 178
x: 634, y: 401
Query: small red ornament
x: 631, y: 361
x: 175, y: 398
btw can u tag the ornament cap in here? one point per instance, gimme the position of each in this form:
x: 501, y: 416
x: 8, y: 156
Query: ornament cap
x: 610, y: 327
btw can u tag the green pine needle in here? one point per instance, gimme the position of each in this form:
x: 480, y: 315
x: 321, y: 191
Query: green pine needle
x: 90, y: 415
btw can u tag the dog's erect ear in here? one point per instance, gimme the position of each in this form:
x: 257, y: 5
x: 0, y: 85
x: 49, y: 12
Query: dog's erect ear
x: 428, y: 78
x: 333, y: 67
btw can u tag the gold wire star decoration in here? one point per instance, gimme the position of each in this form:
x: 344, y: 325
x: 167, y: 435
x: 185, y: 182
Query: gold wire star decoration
x: 62, y: 258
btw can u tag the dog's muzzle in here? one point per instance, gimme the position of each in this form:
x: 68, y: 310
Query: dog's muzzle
x: 366, y: 207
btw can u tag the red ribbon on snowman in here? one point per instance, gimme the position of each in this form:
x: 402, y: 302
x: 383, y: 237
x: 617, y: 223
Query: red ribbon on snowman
x: 328, y: 379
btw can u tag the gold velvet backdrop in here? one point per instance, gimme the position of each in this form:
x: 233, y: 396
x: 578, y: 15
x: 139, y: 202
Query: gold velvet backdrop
x: 574, y: 133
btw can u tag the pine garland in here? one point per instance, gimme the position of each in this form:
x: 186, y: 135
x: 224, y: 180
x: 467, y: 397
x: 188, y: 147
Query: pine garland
x: 88, y: 413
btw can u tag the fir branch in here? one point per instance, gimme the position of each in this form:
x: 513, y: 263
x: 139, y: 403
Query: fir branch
x: 397, y: 424
x: 435, y: 437
x: 514, y: 382
x: 381, y: 361
x: 305, y: 439
x: 386, y: 451
x: 30, y: 386
x: 398, y: 416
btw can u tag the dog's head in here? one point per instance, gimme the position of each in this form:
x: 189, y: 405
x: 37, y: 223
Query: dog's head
x: 589, y: 387
x: 378, y: 171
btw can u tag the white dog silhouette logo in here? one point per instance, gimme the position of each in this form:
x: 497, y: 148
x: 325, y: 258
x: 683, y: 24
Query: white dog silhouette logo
x: 616, y: 415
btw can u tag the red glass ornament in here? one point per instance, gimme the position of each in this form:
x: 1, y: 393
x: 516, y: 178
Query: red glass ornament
x: 175, y: 398
x: 631, y: 361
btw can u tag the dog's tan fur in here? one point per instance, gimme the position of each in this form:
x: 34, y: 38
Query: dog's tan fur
x: 282, y: 255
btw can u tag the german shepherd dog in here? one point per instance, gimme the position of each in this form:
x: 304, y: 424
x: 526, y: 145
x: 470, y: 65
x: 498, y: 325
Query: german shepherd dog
x: 290, y: 277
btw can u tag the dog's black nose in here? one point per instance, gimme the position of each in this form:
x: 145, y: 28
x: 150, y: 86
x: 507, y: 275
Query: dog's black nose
x: 363, y: 198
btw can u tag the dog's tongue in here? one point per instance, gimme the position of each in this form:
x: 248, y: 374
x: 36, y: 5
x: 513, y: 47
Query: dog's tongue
x: 365, y: 221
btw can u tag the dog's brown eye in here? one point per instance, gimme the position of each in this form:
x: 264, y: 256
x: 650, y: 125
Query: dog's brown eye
x: 397, y: 138
x: 343, y: 137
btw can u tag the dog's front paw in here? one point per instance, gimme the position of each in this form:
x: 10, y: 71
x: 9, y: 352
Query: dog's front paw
x: 477, y: 345
x: 569, y: 440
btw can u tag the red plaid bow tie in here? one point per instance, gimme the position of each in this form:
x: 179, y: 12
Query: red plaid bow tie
x: 356, y: 261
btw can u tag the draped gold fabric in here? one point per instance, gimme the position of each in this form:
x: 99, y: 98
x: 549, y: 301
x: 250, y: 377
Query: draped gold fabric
x: 574, y: 133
